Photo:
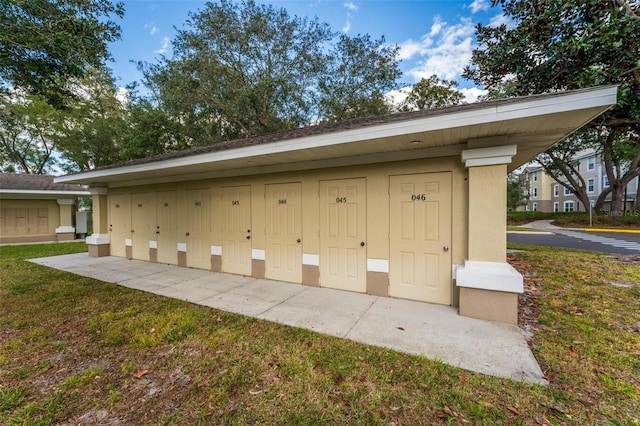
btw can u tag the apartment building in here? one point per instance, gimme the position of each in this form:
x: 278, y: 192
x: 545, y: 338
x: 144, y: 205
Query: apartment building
x: 543, y: 193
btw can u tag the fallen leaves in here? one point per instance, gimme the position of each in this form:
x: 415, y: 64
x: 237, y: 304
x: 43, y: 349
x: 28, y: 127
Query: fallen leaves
x: 514, y: 410
x: 140, y: 374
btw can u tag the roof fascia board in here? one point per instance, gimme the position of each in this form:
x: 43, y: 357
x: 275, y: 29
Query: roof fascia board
x: 600, y: 97
x: 45, y: 192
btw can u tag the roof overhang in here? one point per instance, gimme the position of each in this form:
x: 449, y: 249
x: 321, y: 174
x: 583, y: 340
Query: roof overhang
x: 34, y: 194
x: 532, y: 123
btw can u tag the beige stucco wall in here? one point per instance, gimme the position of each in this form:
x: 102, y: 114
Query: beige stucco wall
x: 30, y: 233
x: 377, y: 204
x: 488, y: 216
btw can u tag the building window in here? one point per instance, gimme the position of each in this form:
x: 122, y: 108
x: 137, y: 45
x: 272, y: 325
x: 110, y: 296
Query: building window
x: 535, y: 207
x: 591, y: 185
x: 535, y: 176
x: 535, y: 192
x: 568, y: 206
x: 567, y: 191
x: 556, y: 190
x: 591, y: 163
x: 526, y: 207
x: 606, y: 181
x: 556, y: 207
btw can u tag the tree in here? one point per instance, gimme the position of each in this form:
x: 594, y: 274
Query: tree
x: 359, y: 72
x: 515, y: 192
x: 241, y: 69
x: 571, y: 44
x: 44, y: 43
x: 150, y: 131
x: 94, y: 125
x: 432, y: 93
x: 29, y: 128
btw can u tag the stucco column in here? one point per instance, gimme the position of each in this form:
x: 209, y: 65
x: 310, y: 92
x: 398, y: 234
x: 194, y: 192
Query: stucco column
x: 489, y: 286
x: 98, y: 241
x: 66, y: 231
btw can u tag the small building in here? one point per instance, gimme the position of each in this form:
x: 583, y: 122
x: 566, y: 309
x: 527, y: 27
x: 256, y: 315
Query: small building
x: 34, y: 209
x: 545, y: 194
x: 408, y: 205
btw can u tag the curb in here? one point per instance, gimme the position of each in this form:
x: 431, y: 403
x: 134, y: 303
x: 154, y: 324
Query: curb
x: 621, y: 231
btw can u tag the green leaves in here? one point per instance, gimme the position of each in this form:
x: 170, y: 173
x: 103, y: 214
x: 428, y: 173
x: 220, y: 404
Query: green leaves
x: 241, y: 69
x: 432, y: 93
x: 44, y: 43
x: 570, y: 44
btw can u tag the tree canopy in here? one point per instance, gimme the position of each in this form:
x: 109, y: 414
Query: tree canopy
x: 240, y: 69
x: 571, y: 44
x: 432, y: 93
x: 44, y: 43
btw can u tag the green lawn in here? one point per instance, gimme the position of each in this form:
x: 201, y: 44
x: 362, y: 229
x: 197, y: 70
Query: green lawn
x: 75, y: 349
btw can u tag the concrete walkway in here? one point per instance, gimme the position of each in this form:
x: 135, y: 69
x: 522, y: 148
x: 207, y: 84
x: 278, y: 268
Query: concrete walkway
x: 435, y: 331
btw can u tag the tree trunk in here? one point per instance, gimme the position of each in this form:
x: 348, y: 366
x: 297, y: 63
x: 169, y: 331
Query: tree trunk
x: 617, y: 200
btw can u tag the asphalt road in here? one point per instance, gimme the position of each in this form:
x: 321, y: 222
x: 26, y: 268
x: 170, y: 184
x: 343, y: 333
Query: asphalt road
x: 607, y: 242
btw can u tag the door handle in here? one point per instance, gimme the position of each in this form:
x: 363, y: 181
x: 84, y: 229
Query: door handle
x: 445, y: 248
x: 298, y: 240
x: 157, y: 232
x: 362, y: 244
x: 186, y: 234
x: 132, y: 231
x: 248, y: 237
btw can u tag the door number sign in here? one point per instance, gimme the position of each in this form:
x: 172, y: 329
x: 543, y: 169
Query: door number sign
x: 418, y: 197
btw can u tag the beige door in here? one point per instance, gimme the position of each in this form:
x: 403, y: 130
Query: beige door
x: 283, y: 252
x: 420, y: 237
x: 43, y: 221
x: 20, y: 223
x: 199, y: 228
x: 119, y: 223
x: 167, y: 227
x: 236, y: 229
x: 343, y: 254
x: 32, y: 221
x: 143, y: 224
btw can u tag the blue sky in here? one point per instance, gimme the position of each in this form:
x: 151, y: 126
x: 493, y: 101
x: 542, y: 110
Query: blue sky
x: 435, y: 36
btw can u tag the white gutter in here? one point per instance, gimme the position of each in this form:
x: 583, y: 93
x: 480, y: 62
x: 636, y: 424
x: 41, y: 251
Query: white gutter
x: 45, y: 192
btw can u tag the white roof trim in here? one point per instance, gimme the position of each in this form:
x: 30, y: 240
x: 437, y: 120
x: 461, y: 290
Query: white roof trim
x: 578, y: 100
x: 45, y: 192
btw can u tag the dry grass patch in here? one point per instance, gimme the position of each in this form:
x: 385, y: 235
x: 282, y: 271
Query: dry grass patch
x: 76, y: 350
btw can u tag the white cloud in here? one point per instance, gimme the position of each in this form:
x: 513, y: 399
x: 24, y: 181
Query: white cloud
x: 446, y: 50
x: 152, y: 28
x: 123, y: 95
x: 479, y: 5
x: 347, y: 25
x: 500, y: 19
x: 396, y: 98
x: 350, y: 5
x: 411, y: 48
x: 164, y: 47
x: 472, y: 94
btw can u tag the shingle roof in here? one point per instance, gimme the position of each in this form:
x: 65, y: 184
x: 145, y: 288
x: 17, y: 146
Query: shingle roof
x: 328, y: 128
x: 35, y: 183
